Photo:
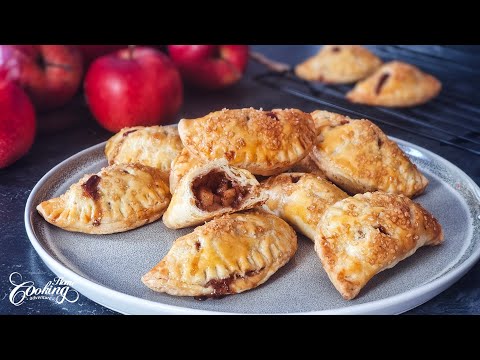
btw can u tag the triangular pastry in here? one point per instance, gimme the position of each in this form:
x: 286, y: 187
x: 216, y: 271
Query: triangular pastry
x: 339, y: 64
x: 396, y: 84
x: 359, y: 237
x: 263, y: 142
x: 358, y: 157
x: 209, y: 190
x: 154, y: 146
x: 300, y: 199
x: 227, y: 255
x: 118, y: 198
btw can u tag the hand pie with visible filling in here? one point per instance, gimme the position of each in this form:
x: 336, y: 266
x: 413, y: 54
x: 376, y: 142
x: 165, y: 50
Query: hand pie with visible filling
x: 262, y: 142
x: 228, y: 255
x: 154, y: 146
x: 339, y: 64
x: 180, y: 166
x: 396, y: 84
x: 359, y: 237
x: 210, y: 190
x: 357, y: 156
x: 300, y: 199
x: 120, y: 197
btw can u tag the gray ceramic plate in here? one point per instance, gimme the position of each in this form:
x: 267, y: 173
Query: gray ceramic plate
x: 107, y: 268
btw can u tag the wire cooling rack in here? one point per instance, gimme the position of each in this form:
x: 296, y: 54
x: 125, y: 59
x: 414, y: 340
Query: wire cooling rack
x: 452, y: 118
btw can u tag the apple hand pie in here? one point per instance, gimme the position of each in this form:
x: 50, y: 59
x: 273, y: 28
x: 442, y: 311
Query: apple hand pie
x: 263, y: 142
x: 118, y: 198
x: 307, y: 165
x: 357, y: 156
x: 322, y: 119
x: 180, y: 166
x: 360, y: 236
x: 210, y: 190
x: 396, y: 84
x: 227, y: 255
x: 154, y: 146
x: 339, y: 64
x: 300, y: 199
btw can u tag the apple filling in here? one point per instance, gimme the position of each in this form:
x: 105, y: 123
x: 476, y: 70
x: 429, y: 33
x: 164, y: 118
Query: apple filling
x: 214, y: 191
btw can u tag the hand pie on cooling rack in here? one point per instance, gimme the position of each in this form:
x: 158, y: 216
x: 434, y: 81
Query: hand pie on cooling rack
x: 154, y: 146
x: 263, y: 142
x: 211, y: 189
x: 227, y: 255
x: 339, y: 64
x: 118, y: 198
x: 396, y: 84
x: 360, y: 236
x: 357, y: 156
x: 300, y: 199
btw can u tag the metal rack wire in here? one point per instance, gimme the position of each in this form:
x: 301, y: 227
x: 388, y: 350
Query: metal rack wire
x: 453, y: 118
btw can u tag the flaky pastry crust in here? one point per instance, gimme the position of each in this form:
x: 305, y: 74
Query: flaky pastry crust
x: 300, y: 199
x: 339, y: 64
x: 211, y: 189
x: 359, y: 237
x: 263, y: 142
x: 357, y: 156
x: 154, y: 146
x: 396, y: 84
x: 228, y: 255
x: 180, y: 166
x: 120, y: 197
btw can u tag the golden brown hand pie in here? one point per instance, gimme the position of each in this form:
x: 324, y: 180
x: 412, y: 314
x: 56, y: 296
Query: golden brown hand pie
x: 210, y: 190
x: 339, y: 64
x: 307, y: 165
x: 360, y: 236
x: 154, y: 146
x: 263, y: 142
x: 396, y: 84
x: 322, y: 119
x: 227, y: 255
x: 357, y: 156
x: 300, y: 199
x: 180, y: 166
x: 118, y: 198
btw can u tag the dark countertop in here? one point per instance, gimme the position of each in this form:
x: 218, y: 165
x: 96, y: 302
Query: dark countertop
x: 17, y: 181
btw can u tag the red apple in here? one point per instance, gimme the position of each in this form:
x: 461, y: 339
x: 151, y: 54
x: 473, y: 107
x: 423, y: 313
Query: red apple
x: 210, y: 66
x: 17, y: 123
x: 51, y: 74
x: 9, y: 63
x: 91, y: 52
x: 134, y: 86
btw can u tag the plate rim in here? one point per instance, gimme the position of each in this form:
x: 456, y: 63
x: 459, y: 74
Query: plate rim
x: 424, y: 292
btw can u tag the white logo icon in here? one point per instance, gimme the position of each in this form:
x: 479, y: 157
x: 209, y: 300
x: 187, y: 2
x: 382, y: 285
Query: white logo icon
x: 58, y: 290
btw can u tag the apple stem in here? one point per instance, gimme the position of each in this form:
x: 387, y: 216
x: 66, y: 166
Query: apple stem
x: 63, y: 66
x: 131, y: 48
x: 269, y: 63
